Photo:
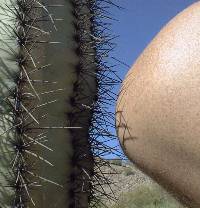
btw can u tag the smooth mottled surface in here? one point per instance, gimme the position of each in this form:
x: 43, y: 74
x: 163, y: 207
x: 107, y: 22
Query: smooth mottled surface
x: 157, y: 113
x: 62, y: 59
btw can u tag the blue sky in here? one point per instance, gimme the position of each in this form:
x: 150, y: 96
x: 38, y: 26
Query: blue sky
x: 138, y: 23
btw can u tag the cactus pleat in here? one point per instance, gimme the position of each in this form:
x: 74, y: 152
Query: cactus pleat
x: 56, y: 88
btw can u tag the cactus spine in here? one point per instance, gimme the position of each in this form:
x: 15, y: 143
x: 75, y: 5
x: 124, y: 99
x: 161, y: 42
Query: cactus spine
x: 56, y: 87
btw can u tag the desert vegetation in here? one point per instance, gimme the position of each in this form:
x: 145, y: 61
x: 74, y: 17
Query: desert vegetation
x: 133, y: 189
x: 147, y: 196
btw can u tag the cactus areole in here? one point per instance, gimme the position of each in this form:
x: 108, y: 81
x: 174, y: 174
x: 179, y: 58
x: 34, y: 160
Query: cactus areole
x: 56, y: 86
x: 157, y: 113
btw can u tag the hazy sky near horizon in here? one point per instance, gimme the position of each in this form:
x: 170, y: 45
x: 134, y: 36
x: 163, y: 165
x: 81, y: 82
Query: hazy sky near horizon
x: 137, y: 24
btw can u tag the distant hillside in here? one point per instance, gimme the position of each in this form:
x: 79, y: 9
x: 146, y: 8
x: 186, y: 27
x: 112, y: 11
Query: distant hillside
x: 127, y: 179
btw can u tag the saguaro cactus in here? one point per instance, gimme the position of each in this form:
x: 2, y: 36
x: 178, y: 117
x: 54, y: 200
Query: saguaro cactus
x: 157, y: 113
x: 56, y: 87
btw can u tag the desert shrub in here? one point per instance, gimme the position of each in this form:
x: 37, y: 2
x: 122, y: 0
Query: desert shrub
x: 147, y: 196
x: 128, y: 171
x: 116, y: 162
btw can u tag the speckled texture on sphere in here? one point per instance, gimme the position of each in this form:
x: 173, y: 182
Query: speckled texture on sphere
x: 158, y: 109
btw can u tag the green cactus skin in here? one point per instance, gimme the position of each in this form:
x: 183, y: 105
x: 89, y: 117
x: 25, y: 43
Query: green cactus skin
x: 56, y: 87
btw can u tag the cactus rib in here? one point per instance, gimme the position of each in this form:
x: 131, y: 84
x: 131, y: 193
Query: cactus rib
x: 57, y: 89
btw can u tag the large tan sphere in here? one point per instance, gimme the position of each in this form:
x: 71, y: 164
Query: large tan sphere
x: 158, y: 108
